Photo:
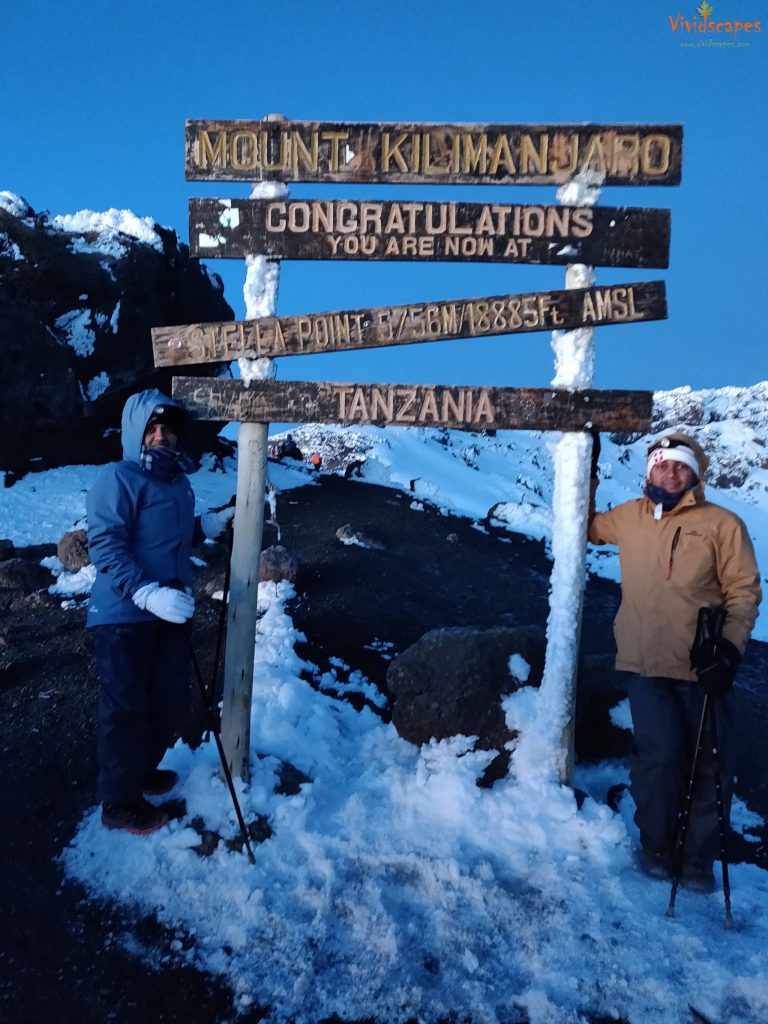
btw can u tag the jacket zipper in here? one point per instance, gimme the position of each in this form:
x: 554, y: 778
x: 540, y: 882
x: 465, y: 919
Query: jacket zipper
x: 675, y: 542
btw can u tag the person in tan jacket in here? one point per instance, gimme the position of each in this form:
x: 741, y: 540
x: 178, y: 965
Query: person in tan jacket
x: 678, y: 553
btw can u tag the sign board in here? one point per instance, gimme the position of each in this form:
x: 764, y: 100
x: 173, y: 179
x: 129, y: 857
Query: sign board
x: 328, y: 229
x: 351, y: 330
x: 433, y: 154
x: 415, y: 405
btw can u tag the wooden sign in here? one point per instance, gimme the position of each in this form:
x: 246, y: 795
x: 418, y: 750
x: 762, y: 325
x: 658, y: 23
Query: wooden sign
x: 355, y: 329
x: 415, y: 405
x: 433, y: 154
x: 329, y: 229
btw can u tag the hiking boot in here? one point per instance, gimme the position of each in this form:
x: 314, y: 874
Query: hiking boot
x: 136, y: 816
x: 698, y: 876
x: 159, y: 781
x: 654, y: 864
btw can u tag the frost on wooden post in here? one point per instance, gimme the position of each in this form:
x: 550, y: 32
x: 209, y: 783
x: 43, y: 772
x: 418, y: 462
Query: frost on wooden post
x: 574, y: 368
x: 574, y: 355
x: 262, y: 278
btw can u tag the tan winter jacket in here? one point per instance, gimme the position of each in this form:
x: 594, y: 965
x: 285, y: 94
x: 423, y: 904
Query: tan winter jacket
x: 697, y: 555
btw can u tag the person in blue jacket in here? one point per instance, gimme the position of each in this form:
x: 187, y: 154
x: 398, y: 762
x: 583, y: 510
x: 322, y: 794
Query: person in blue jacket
x: 141, y: 527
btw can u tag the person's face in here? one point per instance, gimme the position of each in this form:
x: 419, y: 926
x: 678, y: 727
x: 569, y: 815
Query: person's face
x: 160, y: 434
x: 672, y: 476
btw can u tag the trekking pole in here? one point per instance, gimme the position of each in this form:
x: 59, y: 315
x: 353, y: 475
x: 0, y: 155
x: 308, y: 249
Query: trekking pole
x: 720, y: 816
x: 682, y: 831
x: 213, y: 727
x: 211, y: 690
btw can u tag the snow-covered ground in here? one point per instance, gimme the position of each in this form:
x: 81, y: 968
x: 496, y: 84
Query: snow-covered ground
x: 393, y: 887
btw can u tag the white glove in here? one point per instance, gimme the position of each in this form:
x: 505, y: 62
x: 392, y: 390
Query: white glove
x: 215, y: 523
x: 165, y: 602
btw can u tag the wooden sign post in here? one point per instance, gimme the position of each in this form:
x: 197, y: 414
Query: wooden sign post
x: 275, y: 149
x: 242, y: 612
x: 414, y: 405
x: 432, y: 154
x: 353, y: 329
x: 343, y: 229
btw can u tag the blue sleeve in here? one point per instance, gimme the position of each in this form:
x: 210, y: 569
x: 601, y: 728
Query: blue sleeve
x: 111, y: 508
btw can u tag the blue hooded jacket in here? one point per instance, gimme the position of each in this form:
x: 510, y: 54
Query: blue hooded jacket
x: 140, y: 528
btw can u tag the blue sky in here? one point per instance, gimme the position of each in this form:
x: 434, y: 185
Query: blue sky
x: 95, y: 95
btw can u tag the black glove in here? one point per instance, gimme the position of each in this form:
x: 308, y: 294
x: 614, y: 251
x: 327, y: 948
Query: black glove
x: 595, y: 454
x: 717, y: 677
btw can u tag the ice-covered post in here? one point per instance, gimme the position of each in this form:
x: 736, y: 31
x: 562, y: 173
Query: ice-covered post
x: 571, y: 455
x: 260, y: 293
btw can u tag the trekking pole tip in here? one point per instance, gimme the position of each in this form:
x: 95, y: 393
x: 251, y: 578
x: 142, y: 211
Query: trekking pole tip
x: 728, y: 920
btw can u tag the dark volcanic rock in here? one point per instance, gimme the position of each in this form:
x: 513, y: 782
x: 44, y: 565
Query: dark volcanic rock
x: 451, y: 681
x: 23, y: 576
x: 76, y: 308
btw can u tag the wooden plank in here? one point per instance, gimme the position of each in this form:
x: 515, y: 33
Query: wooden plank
x: 326, y: 229
x: 420, y: 405
x: 433, y: 154
x: 353, y: 329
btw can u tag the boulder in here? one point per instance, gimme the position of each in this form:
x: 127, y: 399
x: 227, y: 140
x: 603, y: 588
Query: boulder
x: 599, y: 688
x: 451, y: 682
x: 72, y: 550
x: 78, y: 296
x: 277, y: 563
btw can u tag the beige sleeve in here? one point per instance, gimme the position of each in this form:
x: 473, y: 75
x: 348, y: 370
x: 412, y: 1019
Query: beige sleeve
x: 602, y: 525
x: 740, y: 581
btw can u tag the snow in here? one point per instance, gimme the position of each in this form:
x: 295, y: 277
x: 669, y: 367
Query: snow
x: 394, y: 888
x: 97, y: 386
x: 76, y: 330
x: 69, y: 584
x: 581, y: 190
x: 107, y: 227
x: 262, y: 279
x: 11, y: 249
x: 15, y: 205
x: 621, y: 716
x: 519, y: 668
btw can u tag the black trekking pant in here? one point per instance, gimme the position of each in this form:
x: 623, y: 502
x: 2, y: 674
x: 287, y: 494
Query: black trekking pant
x: 665, y: 716
x: 144, y: 672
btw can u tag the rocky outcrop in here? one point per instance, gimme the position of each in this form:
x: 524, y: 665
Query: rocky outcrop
x: 78, y: 296
x: 451, y: 682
